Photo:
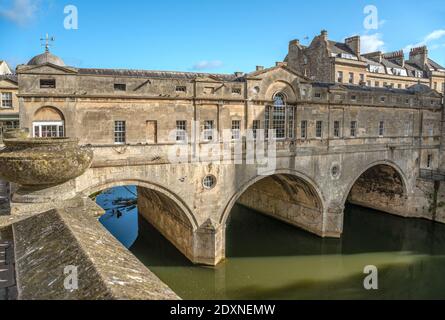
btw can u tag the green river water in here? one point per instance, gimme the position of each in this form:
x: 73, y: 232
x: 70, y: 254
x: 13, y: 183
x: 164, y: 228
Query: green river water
x: 267, y: 259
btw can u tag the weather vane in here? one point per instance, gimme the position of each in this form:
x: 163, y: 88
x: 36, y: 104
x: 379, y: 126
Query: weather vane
x: 47, y: 42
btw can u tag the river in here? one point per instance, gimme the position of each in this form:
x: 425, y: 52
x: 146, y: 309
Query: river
x: 267, y: 259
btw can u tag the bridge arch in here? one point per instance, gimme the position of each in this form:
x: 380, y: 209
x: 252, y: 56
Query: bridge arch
x: 379, y: 180
x: 149, y: 186
x: 286, y: 189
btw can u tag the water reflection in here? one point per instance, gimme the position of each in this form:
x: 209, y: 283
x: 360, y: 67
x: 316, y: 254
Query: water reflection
x: 271, y: 260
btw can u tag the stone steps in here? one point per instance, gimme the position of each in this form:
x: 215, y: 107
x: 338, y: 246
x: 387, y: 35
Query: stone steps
x: 8, y: 289
x: 4, y: 191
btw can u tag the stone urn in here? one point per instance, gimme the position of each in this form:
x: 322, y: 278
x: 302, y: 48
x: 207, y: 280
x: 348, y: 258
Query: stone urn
x: 16, y: 134
x: 43, y: 166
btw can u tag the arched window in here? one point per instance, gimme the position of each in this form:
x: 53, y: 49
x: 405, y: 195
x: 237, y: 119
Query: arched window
x: 279, y: 100
x: 48, y: 122
x: 279, y: 116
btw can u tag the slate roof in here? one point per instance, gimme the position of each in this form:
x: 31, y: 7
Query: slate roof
x: 411, y: 90
x: 339, y: 48
x: 158, y: 74
x: 435, y: 65
x: 11, y: 77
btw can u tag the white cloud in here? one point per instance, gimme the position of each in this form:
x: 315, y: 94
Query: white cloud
x: 20, y: 11
x: 372, y: 43
x: 208, y: 65
x: 434, y: 35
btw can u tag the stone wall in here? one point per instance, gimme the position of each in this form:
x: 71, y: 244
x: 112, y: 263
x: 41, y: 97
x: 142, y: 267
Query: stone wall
x: 47, y: 243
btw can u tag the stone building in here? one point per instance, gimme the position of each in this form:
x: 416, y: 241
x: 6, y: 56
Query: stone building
x: 335, y: 142
x: 9, y: 104
x: 343, y: 62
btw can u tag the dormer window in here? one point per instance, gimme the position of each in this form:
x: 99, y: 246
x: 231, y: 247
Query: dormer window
x: 120, y: 87
x: 47, y: 83
x: 181, y: 89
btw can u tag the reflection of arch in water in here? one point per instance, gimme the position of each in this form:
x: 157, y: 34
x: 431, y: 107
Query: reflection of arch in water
x: 163, y: 210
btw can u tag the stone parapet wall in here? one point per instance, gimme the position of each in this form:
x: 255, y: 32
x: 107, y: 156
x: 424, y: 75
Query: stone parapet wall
x: 47, y: 243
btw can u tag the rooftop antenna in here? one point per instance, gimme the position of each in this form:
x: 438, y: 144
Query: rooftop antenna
x: 47, y: 42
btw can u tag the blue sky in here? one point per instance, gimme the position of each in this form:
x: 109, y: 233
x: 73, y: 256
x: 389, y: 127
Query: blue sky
x: 208, y: 35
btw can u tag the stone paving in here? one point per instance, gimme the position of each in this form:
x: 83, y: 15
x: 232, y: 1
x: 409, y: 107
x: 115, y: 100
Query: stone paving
x: 8, y: 289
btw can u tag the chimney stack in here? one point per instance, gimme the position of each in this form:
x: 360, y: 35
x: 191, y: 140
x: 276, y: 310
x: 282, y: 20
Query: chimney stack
x: 397, y: 57
x: 419, y: 56
x: 259, y: 68
x: 324, y: 34
x: 354, y: 44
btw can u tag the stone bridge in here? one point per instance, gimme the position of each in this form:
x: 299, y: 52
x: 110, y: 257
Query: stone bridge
x: 307, y: 189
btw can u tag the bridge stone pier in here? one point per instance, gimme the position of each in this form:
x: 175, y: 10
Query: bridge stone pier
x: 309, y: 191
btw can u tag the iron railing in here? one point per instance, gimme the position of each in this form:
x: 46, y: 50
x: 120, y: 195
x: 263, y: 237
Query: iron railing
x: 435, y: 175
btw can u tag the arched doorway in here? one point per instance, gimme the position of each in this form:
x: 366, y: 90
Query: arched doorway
x: 48, y: 122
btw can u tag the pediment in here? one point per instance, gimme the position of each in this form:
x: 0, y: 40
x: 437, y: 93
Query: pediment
x: 47, y: 68
x: 279, y: 72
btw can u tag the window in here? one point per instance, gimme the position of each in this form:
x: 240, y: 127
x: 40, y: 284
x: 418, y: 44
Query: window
x: 48, y: 129
x: 119, y: 132
x: 317, y: 95
x: 255, y: 128
x: 399, y: 86
x: 429, y: 161
x: 340, y: 76
x: 279, y: 117
x: 291, y: 122
x: 181, y: 89
x: 266, y: 122
x: 209, y: 182
x: 236, y: 129
x: 381, y: 128
x: 304, y: 129
x: 319, y: 129
x: 236, y: 90
x: 377, y: 84
x: 351, y: 77
x: 443, y: 87
x: 120, y: 87
x: 353, y: 97
x: 406, y: 101
x: 385, y: 84
x: 382, y: 99
x: 369, y: 83
x: 353, y: 128
x: 6, y: 100
x: 431, y: 132
x: 181, y: 131
x: 208, y: 130
x: 435, y: 85
x: 209, y: 90
x: 47, y: 83
x: 362, y: 77
x: 336, y: 129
